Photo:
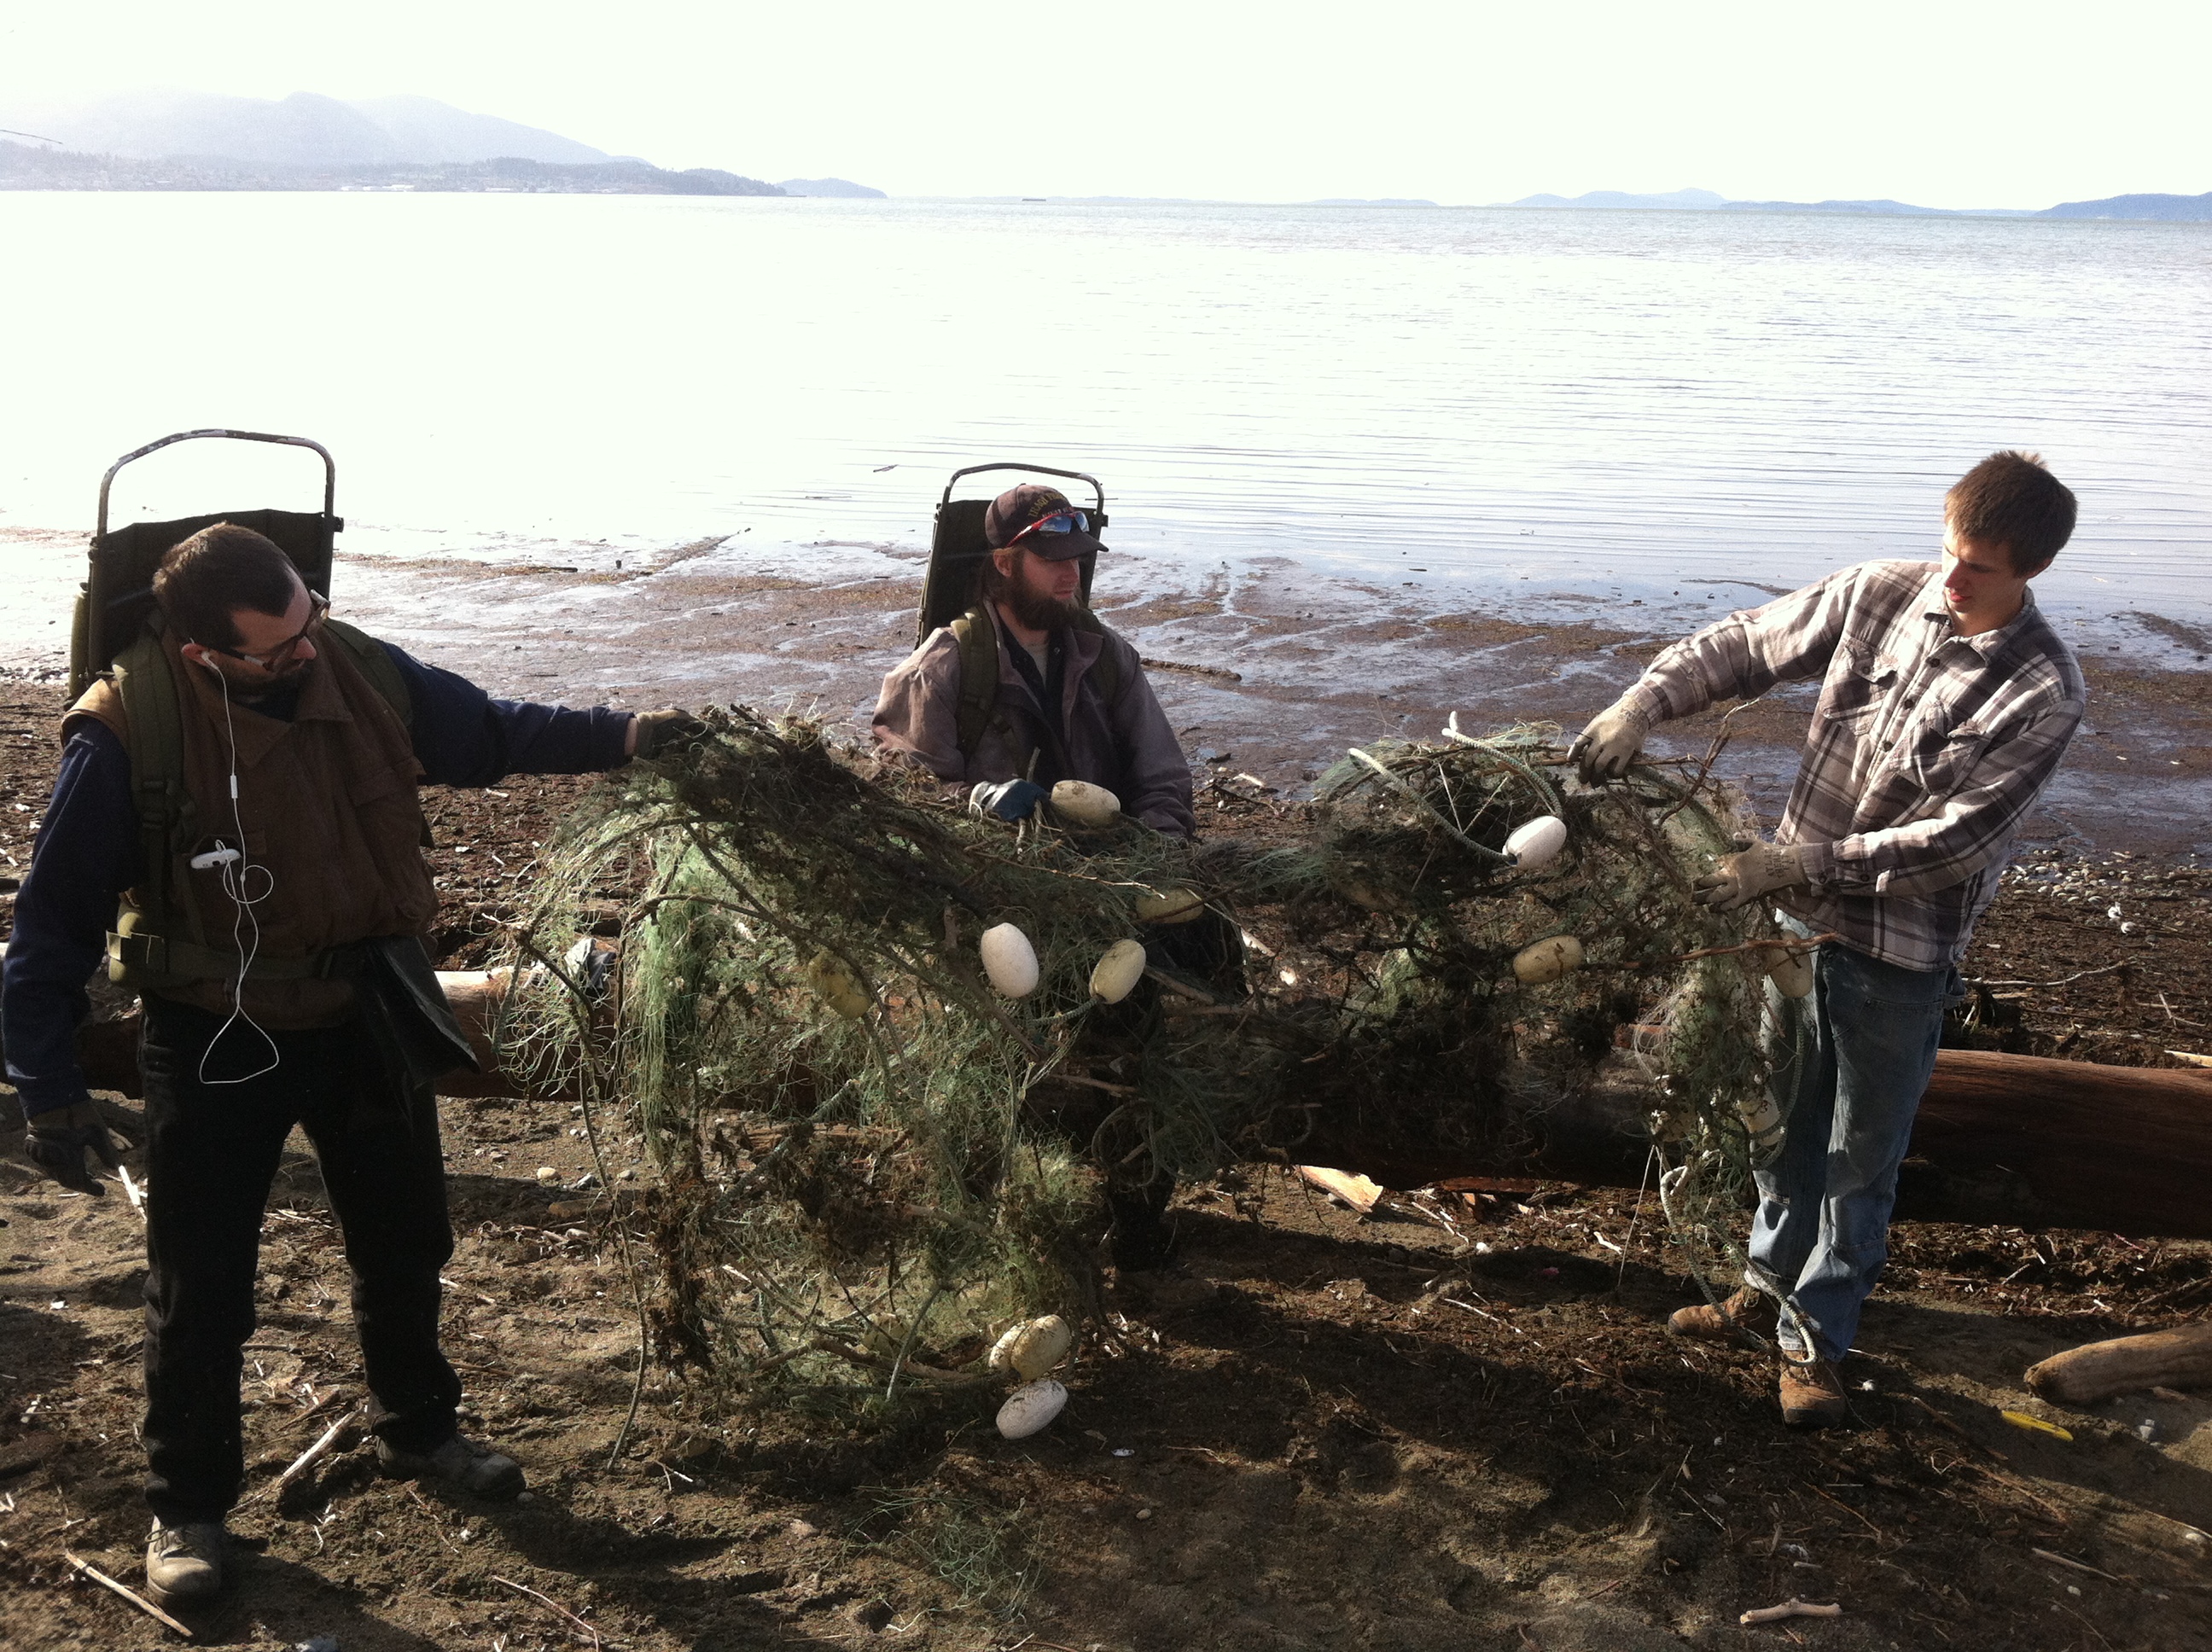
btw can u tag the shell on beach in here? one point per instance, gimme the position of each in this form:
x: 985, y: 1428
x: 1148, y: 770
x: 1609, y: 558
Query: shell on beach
x: 1547, y: 959
x: 1030, y: 1408
x: 1085, y: 804
x: 1536, y: 843
x: 1119, y: 969
x: 1033, y: 1347
x: 1009, y: 960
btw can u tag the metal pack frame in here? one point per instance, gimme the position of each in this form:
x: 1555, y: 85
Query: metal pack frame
x: 957, y: 547
x: 117, y: 597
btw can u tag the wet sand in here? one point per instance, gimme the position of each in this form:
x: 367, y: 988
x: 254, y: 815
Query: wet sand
x: 1318, y: 664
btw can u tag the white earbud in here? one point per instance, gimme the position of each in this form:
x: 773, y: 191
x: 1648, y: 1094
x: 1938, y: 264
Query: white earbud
x: 221, y: 855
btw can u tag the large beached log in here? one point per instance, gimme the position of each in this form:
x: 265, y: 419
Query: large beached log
x: 2019, y: 1140
x: 2179, y: 1359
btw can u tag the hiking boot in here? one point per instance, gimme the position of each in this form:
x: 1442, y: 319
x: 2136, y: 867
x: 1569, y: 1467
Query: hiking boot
x: 184, y: 1562
x: 1752, y: 1309
x: 458, y: 1462
x: 1812, y: 1395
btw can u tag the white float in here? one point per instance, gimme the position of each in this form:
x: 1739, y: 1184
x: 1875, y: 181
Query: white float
x: 1030, y: 1408
x: 1085, y: 804
x: 1118, y: 971
x: 1547, y: 959
x: 1009, y: 960
x: 1533, y: 844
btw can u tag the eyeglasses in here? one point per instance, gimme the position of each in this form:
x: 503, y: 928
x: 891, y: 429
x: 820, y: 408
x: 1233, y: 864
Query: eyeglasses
x: 319, y: 610
x: 1058, y: 522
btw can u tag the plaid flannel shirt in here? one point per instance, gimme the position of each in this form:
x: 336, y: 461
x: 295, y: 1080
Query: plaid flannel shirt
x: 1925, y: 751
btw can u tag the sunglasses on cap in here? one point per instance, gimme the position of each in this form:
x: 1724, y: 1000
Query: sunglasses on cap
x: 1068, y: 521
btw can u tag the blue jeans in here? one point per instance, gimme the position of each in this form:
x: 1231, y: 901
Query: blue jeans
x: 1853, y: 1062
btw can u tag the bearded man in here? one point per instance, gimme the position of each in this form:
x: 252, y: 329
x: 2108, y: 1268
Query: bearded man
x: 1056, y: 696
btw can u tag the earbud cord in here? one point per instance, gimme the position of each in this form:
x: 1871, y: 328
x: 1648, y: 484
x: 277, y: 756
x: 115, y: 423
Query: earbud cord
x: 234, y: 875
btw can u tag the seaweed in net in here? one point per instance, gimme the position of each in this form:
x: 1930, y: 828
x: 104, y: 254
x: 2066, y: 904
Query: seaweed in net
x: 873, y: 1160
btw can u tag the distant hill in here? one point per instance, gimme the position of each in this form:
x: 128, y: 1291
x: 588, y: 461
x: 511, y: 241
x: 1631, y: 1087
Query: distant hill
x: 1379, y: 200
x: 1677, y: 200
x: 303, y: 129
x: 2186, y: 209
x: 831, y: 188
x: 24, y: 167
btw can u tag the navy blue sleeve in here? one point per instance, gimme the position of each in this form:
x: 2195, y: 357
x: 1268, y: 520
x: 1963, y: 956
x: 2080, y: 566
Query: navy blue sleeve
x: 463, y: 737
x: 87, y: 853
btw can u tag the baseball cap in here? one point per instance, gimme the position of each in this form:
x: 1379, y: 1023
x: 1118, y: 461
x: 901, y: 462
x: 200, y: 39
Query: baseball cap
x: 1020, y: 508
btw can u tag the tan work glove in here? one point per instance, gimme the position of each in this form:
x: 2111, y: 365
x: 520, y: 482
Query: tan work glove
x: 1739, y: 879
x: 1613, y: 740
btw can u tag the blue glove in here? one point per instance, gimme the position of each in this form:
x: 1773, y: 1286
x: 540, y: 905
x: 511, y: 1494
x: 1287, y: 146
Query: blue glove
x: 1007, y: 800
x: 58, y: 1139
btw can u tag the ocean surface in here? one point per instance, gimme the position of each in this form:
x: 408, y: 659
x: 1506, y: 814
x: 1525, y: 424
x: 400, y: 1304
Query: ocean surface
x: 1524, y: 411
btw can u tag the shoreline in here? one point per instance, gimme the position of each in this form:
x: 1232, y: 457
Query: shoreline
x: 1264, y: 666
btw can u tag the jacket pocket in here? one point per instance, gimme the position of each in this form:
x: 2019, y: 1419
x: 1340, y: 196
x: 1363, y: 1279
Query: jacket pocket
x: 1943, y: 763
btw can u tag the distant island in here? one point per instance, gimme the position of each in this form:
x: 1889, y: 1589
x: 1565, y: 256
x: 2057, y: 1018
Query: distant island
x: 2168, y: 208
x: 179, y: 140
x: 834, y: 189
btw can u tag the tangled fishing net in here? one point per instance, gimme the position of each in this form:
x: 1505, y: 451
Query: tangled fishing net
x: 873, y: 1160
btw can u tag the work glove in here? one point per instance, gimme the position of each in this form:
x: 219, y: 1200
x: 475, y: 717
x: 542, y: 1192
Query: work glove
x: 1007, y: 800
x: 1613, y: 740
x: 659, y: 733
x: 1739, y: 879
x: 57, y: 1139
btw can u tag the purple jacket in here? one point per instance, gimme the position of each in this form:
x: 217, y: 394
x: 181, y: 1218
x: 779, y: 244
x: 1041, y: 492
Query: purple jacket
x: 1126, y: 746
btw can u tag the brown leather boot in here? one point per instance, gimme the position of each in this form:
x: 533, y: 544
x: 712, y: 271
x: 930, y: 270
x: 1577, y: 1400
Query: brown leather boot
x: 1812, y: 1395
x: 1752, y: 1310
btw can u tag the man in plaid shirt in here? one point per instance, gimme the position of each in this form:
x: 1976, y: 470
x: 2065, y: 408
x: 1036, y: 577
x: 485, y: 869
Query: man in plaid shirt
x: 1947, y: 700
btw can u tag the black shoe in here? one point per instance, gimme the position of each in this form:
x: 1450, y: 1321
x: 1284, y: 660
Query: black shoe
x: 458, y: 1462
x: 185, y: 1562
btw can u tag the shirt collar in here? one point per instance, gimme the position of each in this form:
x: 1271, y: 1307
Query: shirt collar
x: 1985, y: 643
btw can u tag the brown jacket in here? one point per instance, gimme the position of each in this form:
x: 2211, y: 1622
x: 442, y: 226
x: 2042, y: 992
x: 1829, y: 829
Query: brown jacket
x: 328, y: 806
x: 1126, y: 746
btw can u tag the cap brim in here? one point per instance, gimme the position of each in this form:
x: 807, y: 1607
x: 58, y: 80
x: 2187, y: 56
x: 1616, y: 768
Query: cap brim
x: 1062, y: 547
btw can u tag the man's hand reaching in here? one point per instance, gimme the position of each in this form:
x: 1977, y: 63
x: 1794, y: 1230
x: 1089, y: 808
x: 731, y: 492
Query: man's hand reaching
x: 1739, y: 879
x: 58, y: 1139
x: 1613, y: 740
x: 657, y: 733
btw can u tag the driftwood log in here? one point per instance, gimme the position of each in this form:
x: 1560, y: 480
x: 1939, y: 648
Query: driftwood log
x: 2157, y: 1359
x: 2016, y: 1140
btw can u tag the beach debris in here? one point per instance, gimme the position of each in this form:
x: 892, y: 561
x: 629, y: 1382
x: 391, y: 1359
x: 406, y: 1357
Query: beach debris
x: 834, y: 984
x: 1356, y: 1191
x: 2192, y: 1058
x: 128, y: 1593
x: 575, y: 1624
x: 1547, y: 959
x: 1009, y: 960
x: 313, y: 1455
x: 1030, y: 1408
x: 317, y: 1643
x: 1085, y: 804
x: 1118, y: 971
x: 2149, y: 1360
x: 1792, y: 1607
x: 1033, y: 1347
x: 1169, y: 906
x: 548, y: 1174
x: 132, y: 1191
x: 1533, y: 844
x: 2020, y: 1419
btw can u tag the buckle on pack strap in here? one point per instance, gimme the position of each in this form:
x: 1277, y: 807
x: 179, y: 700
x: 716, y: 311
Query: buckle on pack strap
x: 156, y: 955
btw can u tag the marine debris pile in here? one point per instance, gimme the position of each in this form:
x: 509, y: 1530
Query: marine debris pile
x: 894, y: 1058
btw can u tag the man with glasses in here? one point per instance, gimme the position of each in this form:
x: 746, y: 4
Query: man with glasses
x: 245, y: 813
x: 1056, y: 696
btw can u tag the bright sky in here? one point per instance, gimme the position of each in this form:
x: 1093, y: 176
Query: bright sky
x: 1962, y: 103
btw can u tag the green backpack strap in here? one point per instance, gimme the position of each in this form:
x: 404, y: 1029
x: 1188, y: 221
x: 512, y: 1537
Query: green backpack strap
x: 376, y: 665
x: 168, y: 823
x: 977, y: 633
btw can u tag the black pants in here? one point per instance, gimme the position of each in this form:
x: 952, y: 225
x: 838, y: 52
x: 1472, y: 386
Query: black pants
x: 212, y: 1152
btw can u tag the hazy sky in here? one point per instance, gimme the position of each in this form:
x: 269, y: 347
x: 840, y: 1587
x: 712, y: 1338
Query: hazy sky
x: 1942, y: 102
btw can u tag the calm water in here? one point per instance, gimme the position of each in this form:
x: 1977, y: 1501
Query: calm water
x: 1492, y: 402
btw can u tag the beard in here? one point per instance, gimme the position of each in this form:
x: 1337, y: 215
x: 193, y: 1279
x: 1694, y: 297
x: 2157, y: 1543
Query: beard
x: 1037, y: 610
